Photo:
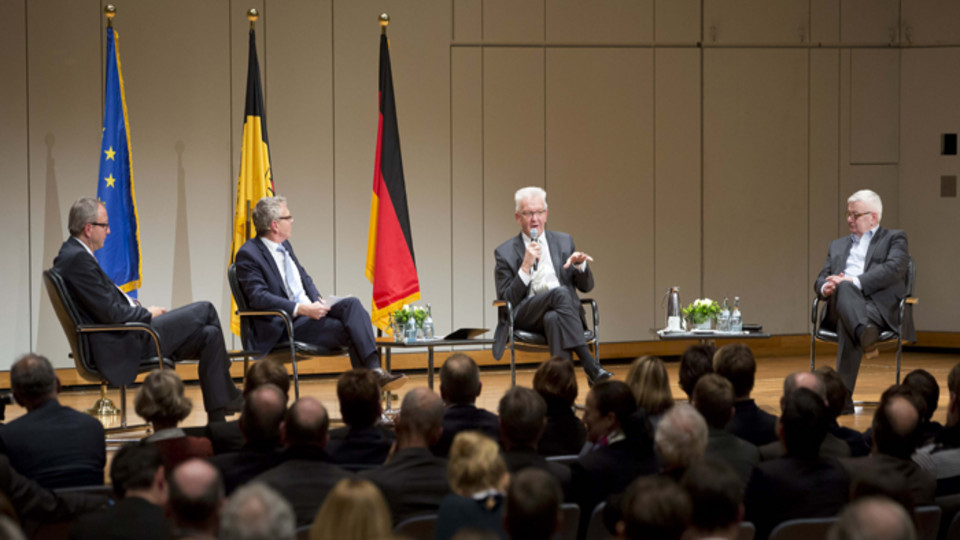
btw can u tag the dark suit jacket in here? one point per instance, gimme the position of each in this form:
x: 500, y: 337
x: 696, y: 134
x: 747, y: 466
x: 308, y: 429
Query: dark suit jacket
x: 364, y: 446
x: 788, y: 488
x: 564, y: 433
x: 884, y: 274
x: 752, y: 424
x: 922, y: 484
x: 304, y: 477
x: 131, y: 517
x: 56, y: 446
x: 99, y: 301
x: 509, y: 257
x: 238, y: 468
x: 465, y: 417
x: 858, y: 444
x: 177, y: 450
x: 831, y: 447
x: 518, y: 459
x: 264, y: 288
x: 457, y: 512
x: 413, y: 482
x: 225, y: 436
x: 738, y: 453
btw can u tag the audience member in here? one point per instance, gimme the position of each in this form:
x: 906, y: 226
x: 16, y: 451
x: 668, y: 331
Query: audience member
x: 735, y: 362
x: 161, y: 402
x: 138, y: 480
x: 654, y: 507
x: 647, y: 378
x: 564, y: 433
x: 34, y: 441
x: 478, y: 479
x: 10, y: 530
x: 305, y: 474
x: 695, y: 362
x: 926, y: 385
x: 893, y: 487
x: 533, y: 506
x: 837, y: 397
x: 355, y: 510
x: 713, y: 398
x: 873, y: 518
x: 361, y: 441
x: 256, y: 512
x: 896, y: 432
x: 413, y: 480
x: 522, y: 417
x: 716, y: 494
x: 459, y: 387
x: 680, y: 439
x: 196, y: 496
x: 832, y: 446
x: 942, y: 456
x: 801, y: 484
x: 263, y: 412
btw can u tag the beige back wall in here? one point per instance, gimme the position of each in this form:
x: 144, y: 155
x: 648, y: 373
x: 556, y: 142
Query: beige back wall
x: 709, y: 145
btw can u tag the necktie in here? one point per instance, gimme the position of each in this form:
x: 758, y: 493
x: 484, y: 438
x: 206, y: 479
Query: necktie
x: 294, y: 287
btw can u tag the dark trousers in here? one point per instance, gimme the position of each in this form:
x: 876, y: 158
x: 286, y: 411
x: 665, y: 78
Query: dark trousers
x: 556, y: 315
x: 347, y: 324
x: 192, y: 332
x: 847, y: 310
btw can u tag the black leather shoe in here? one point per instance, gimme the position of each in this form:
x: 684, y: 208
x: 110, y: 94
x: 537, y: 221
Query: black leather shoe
x: 600, y: 376
x: 389, y: 381
x: 869, y: 336
x: 235, y: 405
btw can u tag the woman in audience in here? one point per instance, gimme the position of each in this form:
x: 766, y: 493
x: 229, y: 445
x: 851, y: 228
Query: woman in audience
x: 648, y: 379
x: 564, y: 433
x: 354, y: 509
x: 161, y: 402
x: 478, y: 478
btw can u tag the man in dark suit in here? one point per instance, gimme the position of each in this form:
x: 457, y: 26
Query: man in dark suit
x: 522, y: 418
x: 272, y: 278
x: 414, y: 481
x: 713, y: 398
x: 459, y: 387
x: 190, y: 332
x: 539, y: 272
x: 735, y: 362
x: 863, y: 280
x: 35, y: 442
x: 305, y: 474
x: 362, y: 441
x: 832, y: 446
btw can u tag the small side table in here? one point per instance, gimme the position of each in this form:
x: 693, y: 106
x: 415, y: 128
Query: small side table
x: 389, y: 344
x: 709, y: 336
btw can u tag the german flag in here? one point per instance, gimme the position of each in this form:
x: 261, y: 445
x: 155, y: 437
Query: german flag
x: 390, y: 262
x: 256, y: 177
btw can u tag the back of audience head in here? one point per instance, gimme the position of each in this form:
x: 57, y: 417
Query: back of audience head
x: 695, y: 362
x: 257, y: 512
x: 803, y: 423
x: 306, y: 424
x: 713, y: 398
x: 420, y: 422
x: 897, y: 421
x: 33, y: 381
x: 873, y: 518
x: 953, y: 386
x: 267, y: 371
x: 556, y: 381
x: 681, y: 437
x: 837, y: 392
x: 735, y: 362
x: 459, y: 380
x: 475, y: 464
x: 926, y: 385
x: 263, y: 412
x: 891, y: 486
x: 805, y: 379
x: 610, y: 404
x: 161, y: 400
x: 196, y: 496
x: 654, y: 507
x: 716, y: 493
x: 137, y: 470
x: 358, y: 391
x: 650, y: 384
x: 523, y: 416
x: 354, y: 509
x: 533, y: 505
x: 10, y: 529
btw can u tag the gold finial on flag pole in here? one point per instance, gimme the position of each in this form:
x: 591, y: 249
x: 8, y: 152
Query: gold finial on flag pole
x: 384, y: 21
x: 110, y: 11
x: 252, y: 16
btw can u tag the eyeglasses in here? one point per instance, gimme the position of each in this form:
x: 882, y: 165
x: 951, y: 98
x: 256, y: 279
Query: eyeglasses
x: 530, y: 213
x: 285, y: 217
x: 104, y: 225
x: 857, y: 215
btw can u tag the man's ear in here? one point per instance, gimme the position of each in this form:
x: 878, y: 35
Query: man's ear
x: 479, y: 388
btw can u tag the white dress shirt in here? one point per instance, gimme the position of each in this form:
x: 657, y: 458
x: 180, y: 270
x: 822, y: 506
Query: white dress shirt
x: 545, y: 276
x: 278, y: 259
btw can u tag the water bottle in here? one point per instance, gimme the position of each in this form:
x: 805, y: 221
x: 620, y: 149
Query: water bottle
x: 723, y: 321
x: 736, y: 319
x: 428, y: 324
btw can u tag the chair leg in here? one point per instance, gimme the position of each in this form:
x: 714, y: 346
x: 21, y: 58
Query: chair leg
x: 103, y: 406
x: 899, y: 350
x: 513, y: 361
x: 296, y: 379
x: 813, y: 349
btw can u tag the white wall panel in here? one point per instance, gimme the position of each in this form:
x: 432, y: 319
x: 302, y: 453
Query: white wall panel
x: 677, y: 21
x: 874, y: 105
x: 930, y: 22
x: 874, y: 22
x: 756, y: 21
x: 600, y: 21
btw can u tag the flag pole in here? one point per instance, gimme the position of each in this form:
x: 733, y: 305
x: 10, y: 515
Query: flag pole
x: 110, y: 11
x: 252, y: 16
x: 384, y: 21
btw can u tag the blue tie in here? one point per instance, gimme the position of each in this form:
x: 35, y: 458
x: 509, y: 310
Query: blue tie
x: 294, y: 287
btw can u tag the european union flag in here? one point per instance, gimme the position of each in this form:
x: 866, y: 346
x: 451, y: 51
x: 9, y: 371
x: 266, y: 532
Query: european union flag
x: 120, y: 255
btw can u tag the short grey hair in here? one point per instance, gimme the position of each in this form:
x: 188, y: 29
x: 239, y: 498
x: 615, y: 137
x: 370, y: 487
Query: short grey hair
x: 869, y: 198
x: 873, y: 518
x: 531, y: 192
x: 266, y: 212
x: 257, y: 512
x: 82, y: 211
x: 681, y: 436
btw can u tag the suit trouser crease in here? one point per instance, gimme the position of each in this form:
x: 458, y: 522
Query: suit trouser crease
x: 849, y: 309
x: 347, y: 324
x: 556, y: 314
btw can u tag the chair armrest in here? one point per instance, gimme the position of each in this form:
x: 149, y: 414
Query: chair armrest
x: 593, y: 307
x: 125, y: 327
x: 503, y: 303
x: 815, y: 311
x: 911, y: 300
x: 287, y: 319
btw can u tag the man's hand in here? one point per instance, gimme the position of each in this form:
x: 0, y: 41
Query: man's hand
x: 578, y: 257
x: 314, y: 310
x: 833, y: 281
x: 530, y: 257
x: 156, y: 310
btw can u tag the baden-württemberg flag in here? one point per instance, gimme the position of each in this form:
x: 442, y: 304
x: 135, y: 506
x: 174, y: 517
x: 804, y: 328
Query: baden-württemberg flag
x: 120, y: 254
x: 390, y: 263
x: 256, y: 178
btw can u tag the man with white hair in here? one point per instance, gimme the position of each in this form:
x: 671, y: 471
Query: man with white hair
x: 256, y: 512
x: 863, y: 282
x: 539, y: 273
x: 681, y: 439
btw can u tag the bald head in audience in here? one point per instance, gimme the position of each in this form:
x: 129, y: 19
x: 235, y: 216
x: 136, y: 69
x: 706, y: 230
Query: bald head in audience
x: 896, y: 422
x: 196, y: 496
x: 873, y: 518
x: 460, y: 380
x: 306, y: 424
x: 420, y: 422
x: 263, y: 412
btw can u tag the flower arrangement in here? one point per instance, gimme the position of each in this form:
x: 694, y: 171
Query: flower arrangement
x: 701, y: 310
x: 402, y: 315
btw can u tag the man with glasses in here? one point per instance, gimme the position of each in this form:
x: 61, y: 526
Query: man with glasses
x: 190, y: 332
x: 863, y: 280
x: 539, y: 272
x: 272, y: 278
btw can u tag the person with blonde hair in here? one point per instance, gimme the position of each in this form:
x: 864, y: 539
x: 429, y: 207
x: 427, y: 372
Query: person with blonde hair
x: 478, y: 479
x: 354, y: 509
x: 161, y: 401
x: 650, y: 384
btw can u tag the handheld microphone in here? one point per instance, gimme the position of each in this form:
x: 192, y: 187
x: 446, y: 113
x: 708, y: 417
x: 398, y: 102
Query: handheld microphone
x: 534, y: 233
